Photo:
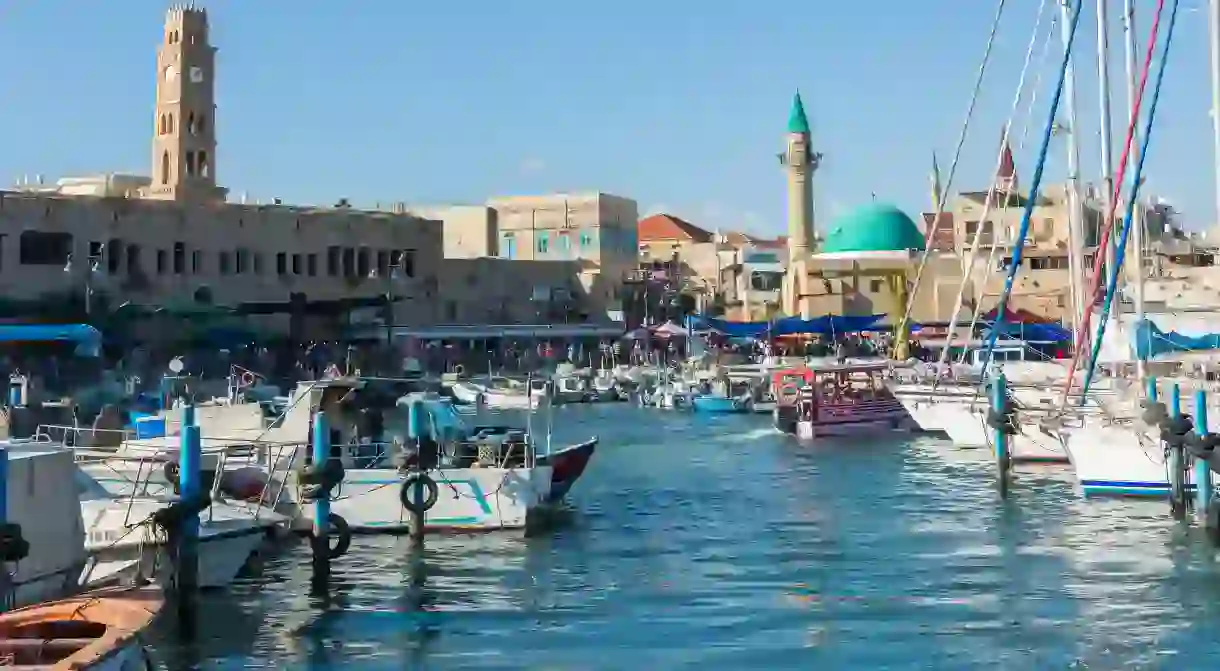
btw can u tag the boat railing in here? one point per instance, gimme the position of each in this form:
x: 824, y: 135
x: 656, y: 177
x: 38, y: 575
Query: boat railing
x: 83, y: 436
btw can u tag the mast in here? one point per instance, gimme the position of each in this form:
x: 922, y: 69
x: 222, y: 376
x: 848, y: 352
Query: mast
x: 1214, y: 37
x: 1075, y: 212
x: 1137, y: 218
x: 1107, y: 140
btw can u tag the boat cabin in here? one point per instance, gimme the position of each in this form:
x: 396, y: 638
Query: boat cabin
x: 810, y: 400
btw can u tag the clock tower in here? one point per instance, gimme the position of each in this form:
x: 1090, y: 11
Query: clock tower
x: 184, y: 131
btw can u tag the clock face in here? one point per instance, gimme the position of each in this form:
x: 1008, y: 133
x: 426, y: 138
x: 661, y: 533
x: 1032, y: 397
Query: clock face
x: 171, y: 74
x: 196, y: 75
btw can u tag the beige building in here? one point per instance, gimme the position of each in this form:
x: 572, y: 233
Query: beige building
x: 595, y: 230
x: 172, y: 237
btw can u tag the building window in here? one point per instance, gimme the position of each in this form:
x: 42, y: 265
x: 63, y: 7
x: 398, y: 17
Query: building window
x: 565, y: 244
x: 297, y: 268
x: 190, y: 164
x: 225, y: 263
x: 258, y: 263
x: 179, y: 258
x: 543, y: 243
x: 451, y: 311
x: 332, y: 261
x: 281, y: 263
x: 349, y: 262
x: 204, y: 168
x: 408, y: 263
x: 44, y: 249
x: 875, y: 286
x: 196, y: 262
x: 162, y: 261
x: 383, y: 263
x: 114, y: 256
x: 311, y: 265
x: 165, y: 167
x: 510, y: 246
x: 586, y: 240
x: 243, y: 261
x: 134, y: 266
x: 362, y: 263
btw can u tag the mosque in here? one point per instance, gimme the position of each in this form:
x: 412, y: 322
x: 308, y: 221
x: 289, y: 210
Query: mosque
x: 866, y: 259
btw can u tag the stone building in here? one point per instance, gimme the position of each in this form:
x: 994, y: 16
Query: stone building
x: 172, y: 237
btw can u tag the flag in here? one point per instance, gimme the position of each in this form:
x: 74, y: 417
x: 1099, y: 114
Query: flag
x: 936, y: 194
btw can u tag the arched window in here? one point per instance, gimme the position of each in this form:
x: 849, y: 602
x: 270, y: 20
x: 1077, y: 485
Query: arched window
x: 169, y: 122
x: 161, y: 125
x: 190, y: 124
x: 204, y: 169
x: 165, y: 167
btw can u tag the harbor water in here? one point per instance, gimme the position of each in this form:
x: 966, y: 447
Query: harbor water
x: 715, y: 543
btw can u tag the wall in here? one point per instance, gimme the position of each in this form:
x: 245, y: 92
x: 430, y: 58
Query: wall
x: 471, y: 231
x: 238, y: 253
x: 502, y: 291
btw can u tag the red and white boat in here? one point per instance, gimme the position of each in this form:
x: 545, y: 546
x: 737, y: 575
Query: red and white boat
x: 836, y: 400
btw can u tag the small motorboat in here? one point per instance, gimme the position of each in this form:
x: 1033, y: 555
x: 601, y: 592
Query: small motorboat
x: 97, y: 631
x: 719, y: 404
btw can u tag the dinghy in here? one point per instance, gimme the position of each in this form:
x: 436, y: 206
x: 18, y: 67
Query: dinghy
x: 97, y: 631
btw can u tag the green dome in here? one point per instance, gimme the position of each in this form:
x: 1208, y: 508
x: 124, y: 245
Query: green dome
x: 876, y: 227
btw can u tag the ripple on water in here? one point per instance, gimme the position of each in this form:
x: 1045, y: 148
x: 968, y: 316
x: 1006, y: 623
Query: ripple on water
x: 718, y: 544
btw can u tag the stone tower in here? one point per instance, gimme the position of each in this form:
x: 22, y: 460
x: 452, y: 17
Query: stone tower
x: 184, y: 133
x: 801, y: 162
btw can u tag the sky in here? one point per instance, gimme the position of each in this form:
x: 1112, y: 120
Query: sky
x: 680, y: 105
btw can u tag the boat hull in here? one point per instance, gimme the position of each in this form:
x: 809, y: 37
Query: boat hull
x: 1114, y: 461
x: 96, y: 631
x: 470, y: 499
x: 567, y: 465
x: 967, y: 427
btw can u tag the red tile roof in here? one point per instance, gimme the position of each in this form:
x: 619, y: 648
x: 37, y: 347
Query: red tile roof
x: 942, y: 240
x: 668, y: 227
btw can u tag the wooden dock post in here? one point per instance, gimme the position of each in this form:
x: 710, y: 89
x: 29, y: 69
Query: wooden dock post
x: 320, y: 540
x: 1001, y: 423
x: 190, y: 477
x: 1176, y: 459
x: 1203, y: 470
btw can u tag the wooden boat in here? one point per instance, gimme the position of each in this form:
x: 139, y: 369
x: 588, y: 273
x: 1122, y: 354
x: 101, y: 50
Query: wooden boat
x: 97, y: 631
x: 836, y: 400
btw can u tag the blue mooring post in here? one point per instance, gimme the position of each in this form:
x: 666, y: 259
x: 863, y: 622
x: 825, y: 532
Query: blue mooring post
x: 417, y: 432
x: 1203, y: 471
x: 999, y: 404
x: 1176, y: 460
x: 320, y: 541
x: 190, y: 488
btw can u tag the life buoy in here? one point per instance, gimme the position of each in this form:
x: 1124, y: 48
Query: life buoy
x: 338, y: 528
x: 431, y: 493
x: 459, y: 370
x: 788, y: 393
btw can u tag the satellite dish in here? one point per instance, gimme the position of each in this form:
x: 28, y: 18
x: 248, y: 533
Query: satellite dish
x: 176, y: 365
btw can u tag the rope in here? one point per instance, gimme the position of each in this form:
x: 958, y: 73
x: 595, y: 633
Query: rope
x: 1132, y: 199
x: 1002, y: 305
x: 1112, y: 205
x: 1046, y: 44
x: 904, y: 325
x: 968, y: 271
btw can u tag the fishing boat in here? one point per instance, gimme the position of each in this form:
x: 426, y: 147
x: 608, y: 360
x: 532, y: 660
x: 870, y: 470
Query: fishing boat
x: 501, y: 393
x: 96, y: 631
x: 836, y: 400
x: 713, y: 403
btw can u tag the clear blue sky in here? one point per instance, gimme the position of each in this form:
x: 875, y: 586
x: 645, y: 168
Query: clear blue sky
x: 680, y: 105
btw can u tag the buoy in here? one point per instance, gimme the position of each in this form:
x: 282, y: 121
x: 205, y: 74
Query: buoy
x: 406, y: 494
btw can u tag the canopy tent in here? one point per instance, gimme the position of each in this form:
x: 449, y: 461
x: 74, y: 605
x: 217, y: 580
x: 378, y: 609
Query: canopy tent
x: 88, y: 339
x: 670, y: 329
x: 830, y: 325
x: 1151, y: 341
x: 1043, y: 332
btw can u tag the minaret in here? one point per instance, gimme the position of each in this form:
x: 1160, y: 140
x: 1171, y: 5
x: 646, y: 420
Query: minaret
x: 184, y: 133
x: 801, y: 162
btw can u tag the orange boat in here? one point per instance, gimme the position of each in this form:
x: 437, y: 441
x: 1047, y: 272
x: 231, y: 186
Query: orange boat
x: 98, y: 631
x: 836, y: 400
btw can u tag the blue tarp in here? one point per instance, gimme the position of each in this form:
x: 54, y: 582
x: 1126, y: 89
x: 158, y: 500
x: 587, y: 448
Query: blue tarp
x: 829, y: 325
x: 88, y: 339
x: 1033, y: 332
x: 1151, y: 341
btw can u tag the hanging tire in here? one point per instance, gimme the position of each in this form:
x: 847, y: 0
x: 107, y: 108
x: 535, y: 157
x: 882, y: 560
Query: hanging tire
x: 431, y: 493
x: 339, y: 529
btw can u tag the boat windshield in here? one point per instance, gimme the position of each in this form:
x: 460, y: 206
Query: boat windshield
x: 446, y: 421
